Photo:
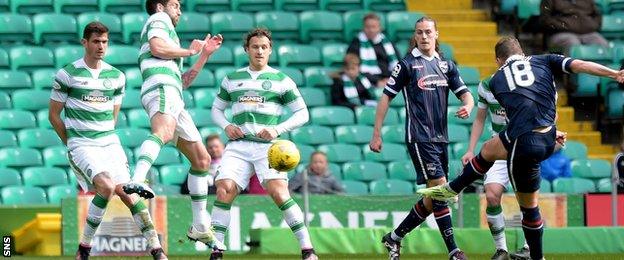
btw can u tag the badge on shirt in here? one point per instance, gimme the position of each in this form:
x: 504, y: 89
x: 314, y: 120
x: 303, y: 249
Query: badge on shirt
x: 443, y: 66
x: 107, y: 83
x: 397, y: 69
x: 391, y: 81
x: 266, y: 85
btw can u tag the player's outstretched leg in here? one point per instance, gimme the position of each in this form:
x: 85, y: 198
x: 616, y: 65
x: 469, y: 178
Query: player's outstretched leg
x: 147, y: 155
x: 392, y: 241
x: 104, y: 191
x: 533, y: 228
x: 474, y: 170
x: 442, y: 215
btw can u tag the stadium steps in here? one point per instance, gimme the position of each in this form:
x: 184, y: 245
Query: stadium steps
x: 467, y: 29
x: 425, y: 5
x: 458, y: 15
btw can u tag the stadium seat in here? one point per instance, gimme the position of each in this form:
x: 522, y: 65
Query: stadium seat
x: 545, y: 186
x: 402, y: 170
x: 591, y: 52
x: 31, y: 7
x: 401, y: 24
x: 14, y: 80
x: 132, y: 26
x: 366, y: 116
x: 333, y: 54
x: 459, y: 149
x: 364, y: 171
x: 296, y: 5
x: 134, y: 79
x: 38, y: 138
x: 458, y: 133
x: 313, y: 97
x: 391, y: 187
x: 220, y: 73
x: 393, y: 133
x: 15, y: 28
x: 55, y: 156
x: 20, y: 157
x: 66, y: 54
x: 296, y: 76
x: 528, y: 8
x: 49, y: 27
x: 29, y: 58
x: 470, y: 75
x: 232, y: 25
x: 122, y: 120
x: 193, y: 26
x: 166, y: 190
x: 318, y: 77
x: 42, y: 79
x: 299, y: 56
x: 44, y: 176
x: 284, y: 26
x: 340, y: 153
x: 604, y: 185
x: 120, y: 6
x: 132, y: 137
x: 354, y: 23
x: 16, y: 119
x: 131, y: 100
x: 615, y: 104
x: 455, y: 167
x: 75, y: 6
x: 220, y: 58
x: 4, y: 6
x: 129, y: 155
x: 341, y: 5
x: 613, y: 26
x: 7, y: 139
x: 59, y: 192
x: 122, y: 57
x: 42, y: 119
x: 591, y: 168
x: 452, y: 119
x: 384, y: 5
x: 573, y: 185
x: 575, y: 150
x: 448, y: 52
x: 173, y: 174
x: 320, y: 26
x: 209, y: 6
x: 9, y: 177
x: 204, y: 97
x: 201, y: 117
x: 138, y: 118
x: 390, y: 152
x: 354, y: 187
x: 21, y: 195
x: 313, y: 135
x: 305, y: 151
x: 4, y: 60
x: 5, y: 100
x: 251, y: 6
x: 112, y: 21
x: 31, y: 99
x: 332, y: 116
x: 353, y: 134
x: 398, y: 101
x: 189, y: 100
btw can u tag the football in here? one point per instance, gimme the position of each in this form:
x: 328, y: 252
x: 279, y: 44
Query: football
x: 283, y: 155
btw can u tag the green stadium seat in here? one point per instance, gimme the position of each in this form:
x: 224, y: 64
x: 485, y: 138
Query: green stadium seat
x: 5, y: 100
x: 402, y: 47
x: 20, y: 195
x: 305, y: 151
x: 38, y: 138
x: 398, y: 101
x: 333, y: 54
x: 332, y: 116
x: 189, y: 100
x: 120, y: 6
x: 138, y: 118
x: 42, y: 79
x: 613, y: 25
x: 167, y: 155
x: 604, y: 185
x: 220, y: 73
x: 340, y: 5
x: 594, y: 53
x: 364, y: 171
x: 193, y: 26
x: 452, y: 119
x: 353, y: 134
x: 295, y: 75
x: 366, y: 116
x: 320, y: 26
x: 9, y: 177
x: 28, y: 58
x: 401, y: 24
x: 4, y: 6
x: 591, y: 168
x: 391, y: 187
x: 470, y: 75
x: 296, y: 5
x: 31, y: 99
x: 14, y: 80
x: 284, y: 26
x: 20, y: 157
x: 54, y: 28
x: 393, y: 133
x: 313, y: 135
x: 354, y: 23
x: 75, y: 6
x: 16, y: 119
x: 402, y: 170
x: 340, y: 153
x: 454, y: 101
x: 448, y: 52
x: 4, y: 60
x: 59, y: 192
x: 615, y: 108
x: 131, y: 100
x: 173, y: 174
x: 132, y: 137
x: 354, y: 187
x: 313, y: 97
x: 318, y: 77
x: 221, y: 58
x: 15, y: 28
x: 122, y: 120
x: 55, y: 156
x: 528, y: 8
x: 201, y: 117
x: 134, y: 79
x: 112, y: 21
x: 31, y: 6
x: 232, y: 25
x: 166, y: 190
x: 67, y: 54
x: 458, y: 133
x: 44, y: 176
x: 132, y: 26
x: 129, y: 154
x: 208, y: 6
x: 7, y: 139
x: 455, y: 167
x: 206, y: 131
x: 390, y: 152
x: 459, y: 149
x: 204, y: 97
x: 573, y: 185
x: 299, y: 56
x: 384, y: 5
x: 575, y: 150
x: 545, y: 186
x: 252, y: 5
x: 42, y: 118
x: 122, y: 57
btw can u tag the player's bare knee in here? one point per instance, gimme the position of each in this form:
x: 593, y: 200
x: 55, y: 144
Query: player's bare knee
x: 202, y: 161
x: 428, y: 203
x: 104, y: 185
x: 492, y: 199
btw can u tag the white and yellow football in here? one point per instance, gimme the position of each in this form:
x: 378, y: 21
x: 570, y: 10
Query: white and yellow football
x: 283, y: 155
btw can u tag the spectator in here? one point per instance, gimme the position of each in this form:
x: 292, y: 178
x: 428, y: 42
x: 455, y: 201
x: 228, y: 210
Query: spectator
x: 377, y: 53
x: 255, y: 188
x: 350, y: 88
x: 556, y: 166
x: 215, y: 148
x: 619, y: 168
x: 320, y: 179
x: 567, y: 23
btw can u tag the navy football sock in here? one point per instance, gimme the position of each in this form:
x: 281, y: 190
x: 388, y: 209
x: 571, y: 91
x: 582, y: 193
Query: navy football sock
x: 416, y: 216
x: 533, y: 228
x: 474, y: 170
x: 442, y: 215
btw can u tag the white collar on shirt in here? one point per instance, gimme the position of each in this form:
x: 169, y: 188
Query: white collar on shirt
x: 514, y: 57
x: 416, y: 52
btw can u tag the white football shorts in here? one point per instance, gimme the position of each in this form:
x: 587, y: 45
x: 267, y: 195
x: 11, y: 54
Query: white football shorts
x: 498, y: 174
x: 89, y: 161
x: 167, y: 100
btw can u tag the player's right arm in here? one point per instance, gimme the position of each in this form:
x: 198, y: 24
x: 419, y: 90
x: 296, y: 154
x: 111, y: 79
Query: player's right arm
x: 58, y: 97
x: 159, y: 48
x: 398, y: 80
x: 581, y: 66
x: 217, y: 112
x: 475, y: 134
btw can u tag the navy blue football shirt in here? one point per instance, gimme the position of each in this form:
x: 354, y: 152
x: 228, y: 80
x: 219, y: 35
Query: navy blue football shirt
x: 426, y: 82
x: 525, y: 87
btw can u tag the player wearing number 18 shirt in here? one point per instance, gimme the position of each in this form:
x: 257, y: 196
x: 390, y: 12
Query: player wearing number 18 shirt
x: 524, y: 86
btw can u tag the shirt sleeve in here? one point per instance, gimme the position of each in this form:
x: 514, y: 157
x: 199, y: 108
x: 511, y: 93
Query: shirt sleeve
x: 291, y: 97
x: 223, y: 96
x: 456, y: 83
x: 482, y: 103
x: 157, y: 28
x: 559, y: 64
x: 60, y: 87
x: 121, y: 91
x: 399, y: 78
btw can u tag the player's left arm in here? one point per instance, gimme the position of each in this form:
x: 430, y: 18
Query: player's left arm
x: 212, y: 44
x: 581, y: 66
x: 291, y: 98
x: 118, y: 97
x: 456, y: 84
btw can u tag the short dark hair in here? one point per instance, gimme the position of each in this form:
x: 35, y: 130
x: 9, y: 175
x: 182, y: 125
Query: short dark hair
x: 94, y: 27
x: 150, y: 5
x: 212, y: 137
x: 373, y: 16
x: 257, y: 32
x: 506, y: 47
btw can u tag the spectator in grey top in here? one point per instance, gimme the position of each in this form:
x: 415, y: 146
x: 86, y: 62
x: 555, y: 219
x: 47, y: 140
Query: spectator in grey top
x: 320, y: 179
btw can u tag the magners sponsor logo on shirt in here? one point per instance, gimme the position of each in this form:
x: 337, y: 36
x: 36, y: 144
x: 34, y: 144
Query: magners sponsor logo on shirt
x: 95, y: 96
x: 251, y: 97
